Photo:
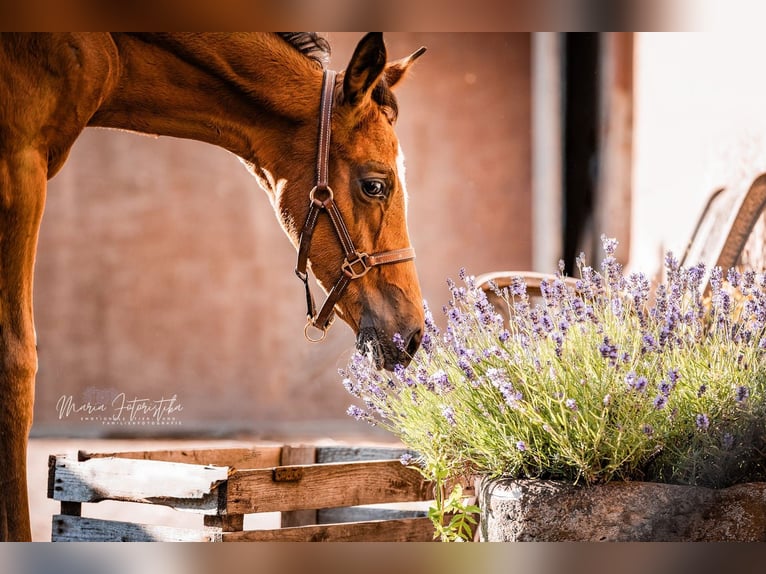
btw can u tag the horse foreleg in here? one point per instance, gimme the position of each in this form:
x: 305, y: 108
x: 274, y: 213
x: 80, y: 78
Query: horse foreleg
x: 22, y: 197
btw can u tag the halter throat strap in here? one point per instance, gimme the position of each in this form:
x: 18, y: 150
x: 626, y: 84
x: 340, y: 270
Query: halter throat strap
x: 356, y: 263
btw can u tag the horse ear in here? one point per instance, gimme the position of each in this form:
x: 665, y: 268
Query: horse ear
x: 365, y: 68
x: 395, y: 71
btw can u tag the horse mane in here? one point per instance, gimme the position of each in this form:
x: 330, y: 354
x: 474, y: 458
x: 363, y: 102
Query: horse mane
x: 317, y: 48
x: 310, y: 44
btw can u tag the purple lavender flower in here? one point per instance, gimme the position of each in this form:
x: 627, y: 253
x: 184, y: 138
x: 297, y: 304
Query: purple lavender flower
x: 407, y: 459
x: 518, y: 286
x: 694, y: 276
x: 671, y: 265
x: 702, y: 390
x: 449, y: 414
x: 608, y: 350
x: 741, y: 394
x: 427, y: 343
x: 635, y: 382
x: 497, y: 376
x: 665, y: 387
x: 716, y: 278
x: 440, y: 382
x: 673, y: 376
x: 609, y: 244
x: 357, y: 413
x: 727, y: 441
x: 648, y: 343
x: 466, y: 367
x: 558, y: 339
x: 734, y: 277
x: 503, y: 336
x: 399, y: 341
x: 748, y: 279
x: 431, y: 327
x: 521, y: 446
x: 648, y: 430
x: 702, y: 421
x: 660, y: 401
x: 571, y: 404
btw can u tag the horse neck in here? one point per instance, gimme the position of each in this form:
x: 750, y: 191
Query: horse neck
x: 240, y: 92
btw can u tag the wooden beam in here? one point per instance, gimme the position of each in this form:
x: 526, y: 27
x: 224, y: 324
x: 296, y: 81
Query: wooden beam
x: 257, y: 457
x: 324, y: 486
x: 78, y: 529
x: 405, y: 530
x: 181, y: 486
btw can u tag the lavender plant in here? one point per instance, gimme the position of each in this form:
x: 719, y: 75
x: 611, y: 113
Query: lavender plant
x: 608, y: 381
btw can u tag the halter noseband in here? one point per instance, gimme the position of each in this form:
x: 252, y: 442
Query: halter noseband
x: 356, y: 263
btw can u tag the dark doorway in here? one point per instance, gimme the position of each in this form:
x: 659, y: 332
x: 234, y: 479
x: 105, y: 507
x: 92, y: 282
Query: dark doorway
x: 580, y: 134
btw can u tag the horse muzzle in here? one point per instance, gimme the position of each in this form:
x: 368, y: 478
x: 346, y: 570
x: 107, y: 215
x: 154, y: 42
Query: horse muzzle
x: 388, y: 348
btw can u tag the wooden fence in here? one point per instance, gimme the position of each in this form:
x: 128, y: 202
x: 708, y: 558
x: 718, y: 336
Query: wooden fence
x: 321, y: 493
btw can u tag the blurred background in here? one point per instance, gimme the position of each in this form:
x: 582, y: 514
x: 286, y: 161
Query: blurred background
x: 162, y: 273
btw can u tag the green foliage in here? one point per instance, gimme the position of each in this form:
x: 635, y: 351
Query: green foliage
x: 608, y: 381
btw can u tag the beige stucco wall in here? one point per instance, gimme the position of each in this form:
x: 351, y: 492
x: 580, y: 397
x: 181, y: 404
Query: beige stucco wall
x: 162, y: 270
x: 700, y: 123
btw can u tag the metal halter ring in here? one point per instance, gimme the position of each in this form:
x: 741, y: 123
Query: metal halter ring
x: 310, y: 325
x: 313, y: 191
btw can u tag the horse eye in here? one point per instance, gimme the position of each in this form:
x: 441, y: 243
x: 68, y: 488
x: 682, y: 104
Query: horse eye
x: 374, y: 187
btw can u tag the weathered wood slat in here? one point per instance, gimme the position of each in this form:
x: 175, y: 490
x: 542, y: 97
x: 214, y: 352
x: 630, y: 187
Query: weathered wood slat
x: 325, y: 454
x: 364, y: 514
x: 405, y: 530
x: 257, y: 457
x: 181, y: 486
x: 227, y: 522
x: 292, y: 455
x: 324, y: 486
x: 79, y: 529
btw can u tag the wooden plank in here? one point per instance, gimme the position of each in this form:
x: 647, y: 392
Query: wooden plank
x: 324, y: 486
x: 405, y: 530
x: 326, y: 454
x: 181, y: 486
x: 364, y: 514
x: 78, y: 529
x: 226, y: 523
x: 296, y: 455
x: 257, y: 457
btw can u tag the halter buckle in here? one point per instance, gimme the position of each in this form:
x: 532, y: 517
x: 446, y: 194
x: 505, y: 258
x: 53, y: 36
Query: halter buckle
x: 349, y: 267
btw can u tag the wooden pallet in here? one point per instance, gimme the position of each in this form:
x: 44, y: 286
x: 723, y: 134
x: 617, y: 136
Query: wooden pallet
x: 319, y: 492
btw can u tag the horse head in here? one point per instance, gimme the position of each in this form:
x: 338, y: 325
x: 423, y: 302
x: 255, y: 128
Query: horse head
x: 365, y: 175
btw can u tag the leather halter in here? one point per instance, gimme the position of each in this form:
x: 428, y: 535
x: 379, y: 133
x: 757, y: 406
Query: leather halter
x: 356, y: 263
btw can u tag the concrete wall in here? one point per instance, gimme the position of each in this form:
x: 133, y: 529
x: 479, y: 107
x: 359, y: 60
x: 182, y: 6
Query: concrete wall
x: 162, y: 270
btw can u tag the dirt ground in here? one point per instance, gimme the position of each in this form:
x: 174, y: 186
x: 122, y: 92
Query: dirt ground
x: 42, y: 508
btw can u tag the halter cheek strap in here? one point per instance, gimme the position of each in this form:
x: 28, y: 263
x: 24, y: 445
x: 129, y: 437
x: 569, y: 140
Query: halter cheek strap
x: 356, y: 263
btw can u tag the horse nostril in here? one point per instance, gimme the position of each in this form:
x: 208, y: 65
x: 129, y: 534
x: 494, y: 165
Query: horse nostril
x: 414, y: 342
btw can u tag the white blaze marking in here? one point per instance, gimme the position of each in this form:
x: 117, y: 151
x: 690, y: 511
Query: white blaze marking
x: 400, y: 172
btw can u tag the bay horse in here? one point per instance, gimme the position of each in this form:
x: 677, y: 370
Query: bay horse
x: 321, y: 145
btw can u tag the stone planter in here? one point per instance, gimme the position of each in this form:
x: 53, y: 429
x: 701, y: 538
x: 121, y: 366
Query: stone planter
x: 540, y: 510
